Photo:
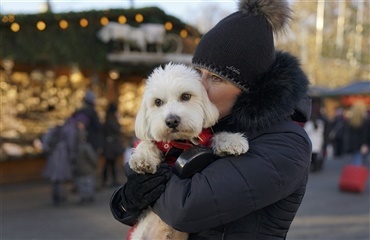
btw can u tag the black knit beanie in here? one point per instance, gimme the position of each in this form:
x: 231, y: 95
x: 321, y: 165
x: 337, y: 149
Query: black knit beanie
x: 240, y: 48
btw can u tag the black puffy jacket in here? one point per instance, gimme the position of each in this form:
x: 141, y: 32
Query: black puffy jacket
x: 255, y: 195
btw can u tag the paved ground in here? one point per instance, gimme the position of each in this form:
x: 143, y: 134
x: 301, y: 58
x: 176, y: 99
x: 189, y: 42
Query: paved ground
x: 329, y: 214
x: 26, y: 213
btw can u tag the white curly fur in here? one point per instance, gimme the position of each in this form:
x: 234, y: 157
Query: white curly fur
x: 225, y: 143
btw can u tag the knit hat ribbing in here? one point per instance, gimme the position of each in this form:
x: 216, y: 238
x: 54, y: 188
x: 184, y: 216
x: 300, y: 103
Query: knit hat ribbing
x: 240, y: 48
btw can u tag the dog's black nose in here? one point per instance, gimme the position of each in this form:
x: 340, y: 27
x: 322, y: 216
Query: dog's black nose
x: 172, y: 121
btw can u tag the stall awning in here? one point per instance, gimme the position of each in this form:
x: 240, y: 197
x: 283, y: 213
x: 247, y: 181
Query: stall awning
x: 316, y: 91
x: 355, y: 88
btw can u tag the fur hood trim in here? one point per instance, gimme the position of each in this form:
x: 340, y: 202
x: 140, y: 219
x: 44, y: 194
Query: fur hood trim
x: 273, y: 98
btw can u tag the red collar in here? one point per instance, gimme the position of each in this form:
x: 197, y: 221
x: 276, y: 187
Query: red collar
x: 204, y: 140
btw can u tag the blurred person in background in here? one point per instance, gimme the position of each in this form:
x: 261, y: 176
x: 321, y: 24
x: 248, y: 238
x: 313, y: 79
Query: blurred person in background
x: 335, y: 132
x: 85, y: 163
x: 94, y: 127
x: 356, y: 131
x: 112, y: 147
x: 59, y: 145
x: 315, y: 129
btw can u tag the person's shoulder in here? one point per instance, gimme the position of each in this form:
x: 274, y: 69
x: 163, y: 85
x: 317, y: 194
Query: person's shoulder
x: 285, y: 137
x: 289, y: 127
x: 288, y: 131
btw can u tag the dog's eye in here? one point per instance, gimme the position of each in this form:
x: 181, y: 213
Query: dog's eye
x: 158, y: 102
x: 185, y: 97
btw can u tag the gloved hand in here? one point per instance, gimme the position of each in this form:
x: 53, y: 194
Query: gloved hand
x: 142, y: 190
x: 118, y: 212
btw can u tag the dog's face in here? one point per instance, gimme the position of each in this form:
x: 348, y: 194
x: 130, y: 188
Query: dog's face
x: 174, y: 105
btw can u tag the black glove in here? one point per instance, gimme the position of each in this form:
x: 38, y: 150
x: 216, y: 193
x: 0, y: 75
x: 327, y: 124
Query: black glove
x: 142, y: 190
x: 118, y: 212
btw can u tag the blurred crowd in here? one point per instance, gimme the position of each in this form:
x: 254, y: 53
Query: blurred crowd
x: 74, y: 148
x: 347, y: 133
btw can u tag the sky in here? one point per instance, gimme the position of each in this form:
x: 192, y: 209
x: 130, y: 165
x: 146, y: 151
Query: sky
x: 189, y: 11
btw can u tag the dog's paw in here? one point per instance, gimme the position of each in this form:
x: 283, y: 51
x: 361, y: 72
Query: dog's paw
x: 142, y: 166
x: 225, y: 143
x: 145, y: 158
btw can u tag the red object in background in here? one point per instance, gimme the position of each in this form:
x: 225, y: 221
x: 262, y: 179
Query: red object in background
x: 353, y: 178
x: 350, y: 100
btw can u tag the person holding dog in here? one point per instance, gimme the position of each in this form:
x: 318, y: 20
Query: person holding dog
x: 262, y: 93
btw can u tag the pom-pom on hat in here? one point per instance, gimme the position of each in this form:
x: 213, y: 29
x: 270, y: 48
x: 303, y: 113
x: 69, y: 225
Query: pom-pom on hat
x: 240, y: 48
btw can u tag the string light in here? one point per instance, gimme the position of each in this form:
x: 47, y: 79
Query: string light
x: 122, y: 19
x: 11, y: 18
x: 63, y: 24
x: 104, y: 21
x: 184, y: 33
x: 84, y: 22
x: 5, y: 19
x: 41, y: 25
x: 139, y: 18
x: 168, y: 26
x: 15, y: 27
x: 113, y: 74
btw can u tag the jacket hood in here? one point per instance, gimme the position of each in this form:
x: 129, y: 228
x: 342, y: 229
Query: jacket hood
x: 279, y: 95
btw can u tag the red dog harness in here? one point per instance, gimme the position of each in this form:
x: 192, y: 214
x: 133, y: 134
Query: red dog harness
x: 172, y: 150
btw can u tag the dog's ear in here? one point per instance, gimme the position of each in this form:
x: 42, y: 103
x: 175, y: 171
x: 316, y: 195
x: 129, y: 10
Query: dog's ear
x: 141, y: 123
x: 211, y: 113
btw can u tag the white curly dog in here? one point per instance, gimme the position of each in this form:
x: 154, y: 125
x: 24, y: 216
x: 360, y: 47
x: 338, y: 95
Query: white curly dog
x: 175, y: 106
